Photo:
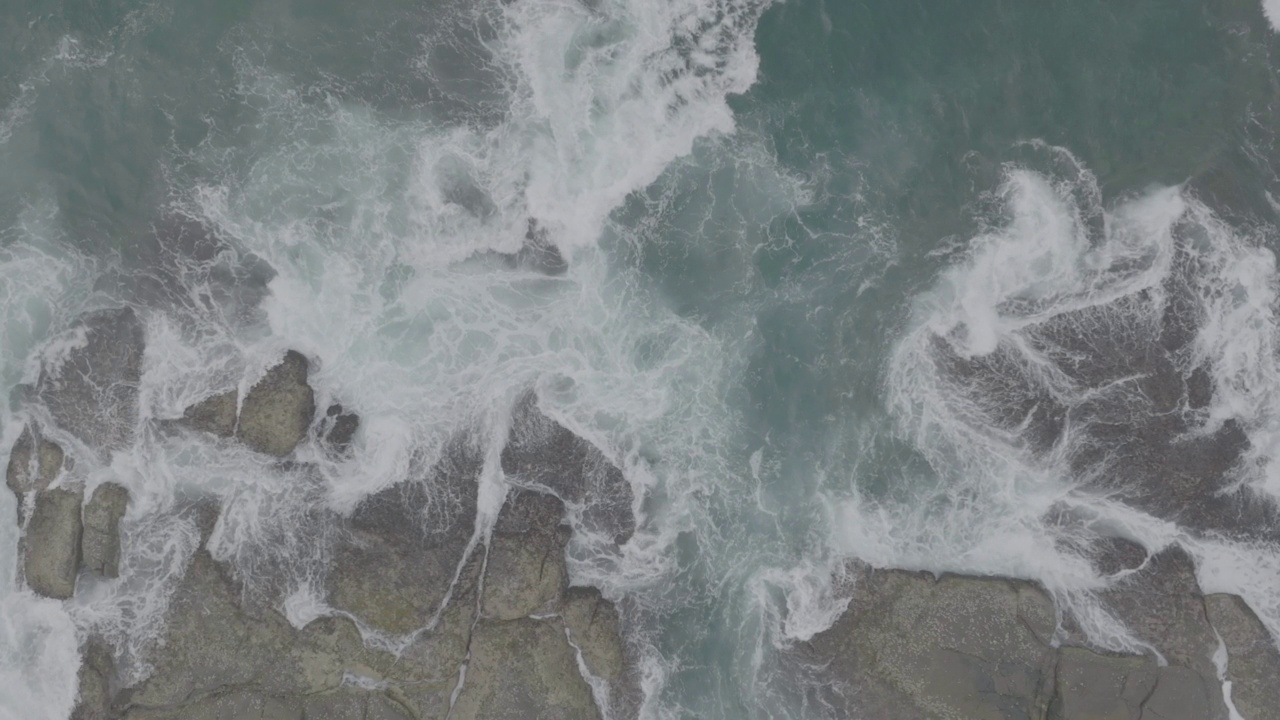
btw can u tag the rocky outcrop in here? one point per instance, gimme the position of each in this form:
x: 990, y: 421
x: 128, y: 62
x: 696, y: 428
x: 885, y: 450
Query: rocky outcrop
x: 215, y: 414
x: 52, y: 543
x: 523, y: 670
x: 1253, y: 666
x: 278, y: 409
x: 34, y: 463
x: 338, y: 428
x: 100, y: 545
x: 542, y: 452
x: 91, y: 388
x: 916, y: 647
x: 94, y: 702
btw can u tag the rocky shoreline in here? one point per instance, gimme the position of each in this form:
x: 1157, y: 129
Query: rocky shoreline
x: 428, y: 615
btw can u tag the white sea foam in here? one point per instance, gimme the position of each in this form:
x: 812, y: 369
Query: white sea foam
x: 990, y: 505
x: 1271, y: 8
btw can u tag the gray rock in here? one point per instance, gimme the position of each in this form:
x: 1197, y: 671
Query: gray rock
x: 594, y: 626
x: 100, y: 545
x: 544, y: 452
x: 93, y: 392
x: 1090, y: 686
x: 94, y: 702
x: 52, y: 543
x: 405, y: 544
x: 913, y: 647
x: 525, y: 572
x: 1253, y: 662
x: 1182, y: 694
x: 523, y: 670
x: 215, y: 414
x: 232, y: 704
x: 1161, y: 604
x: 34, y: 463
x: 277, y: 411
x: 338, y: 428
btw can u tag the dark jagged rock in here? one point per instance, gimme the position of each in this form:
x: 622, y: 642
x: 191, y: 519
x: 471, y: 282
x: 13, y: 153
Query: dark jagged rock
x: 215, y: 414
x: 543, y: 452
x: 540, y: 254
x: 34, y: 463
x: 92, y: 390
x: 100, y: 545
x: 52, y: 543
x: 1253, y: 660
x: 338, y: 428
x: 277, y: 410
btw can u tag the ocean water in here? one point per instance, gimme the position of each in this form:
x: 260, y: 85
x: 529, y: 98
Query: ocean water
x: 923, y: 285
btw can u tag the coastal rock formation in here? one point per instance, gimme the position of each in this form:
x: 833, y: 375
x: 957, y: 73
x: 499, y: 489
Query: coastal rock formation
x: 481, y: 630
x: 215, y: 414
x: 52, y: 544
x: 34, y: 463
x: 912, y: 646
x: 277, y: 410
x: 90, y: 388
x: 100, y: 546
x: 338, y: 428
x: 1253, y: 659
x: 542, y: 452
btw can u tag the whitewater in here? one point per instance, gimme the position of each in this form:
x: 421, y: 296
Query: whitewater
x: 617, y: 205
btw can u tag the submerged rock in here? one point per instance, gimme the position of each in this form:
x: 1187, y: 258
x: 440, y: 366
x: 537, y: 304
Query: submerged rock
x: 34, y: 463
x: 277, y: 411
x: 52, y: 543
x: 100, y: 546
x: 215, y: 414
x: 91, y: 390
x: 540, y: 451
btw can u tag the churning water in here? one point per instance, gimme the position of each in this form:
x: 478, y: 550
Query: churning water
x: 861, y: 280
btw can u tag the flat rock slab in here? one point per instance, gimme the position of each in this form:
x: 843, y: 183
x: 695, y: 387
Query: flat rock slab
x: 278, y: 409
x: 1253, y: 661
x: 523, y: 670
x: 52, y: 543
x: 100, y: 545
x: 91, y: 390
x: 912, y: 647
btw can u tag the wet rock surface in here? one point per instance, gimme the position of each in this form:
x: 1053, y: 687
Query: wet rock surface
x: 52, y: 543
x: 1253, y: 666
x: 91, y: 389
x: 34, y: 463
x: 278, y: 409
x: 912, y: 646
x: 100, y: 544
x: 215, y: 414
x: 542, y: 452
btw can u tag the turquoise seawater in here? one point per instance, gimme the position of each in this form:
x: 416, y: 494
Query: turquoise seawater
x: 846, y: 282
